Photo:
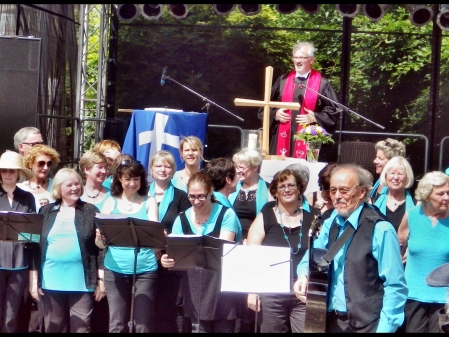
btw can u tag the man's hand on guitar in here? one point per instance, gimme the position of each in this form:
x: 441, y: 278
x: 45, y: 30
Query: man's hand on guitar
x: 300, y: 288
x: 254, y: 302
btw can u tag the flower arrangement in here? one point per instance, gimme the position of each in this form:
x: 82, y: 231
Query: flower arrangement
x: 313, y: 134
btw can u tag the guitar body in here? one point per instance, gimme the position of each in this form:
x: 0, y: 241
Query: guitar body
x: 316, y: 309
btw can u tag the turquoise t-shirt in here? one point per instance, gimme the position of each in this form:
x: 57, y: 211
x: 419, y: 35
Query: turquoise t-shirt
x: 230, y: 223
x: 62, y: 268
x: 121, y: 259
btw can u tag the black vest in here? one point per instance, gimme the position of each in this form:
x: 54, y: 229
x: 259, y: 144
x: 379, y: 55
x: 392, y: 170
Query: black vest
x: 364, y: 289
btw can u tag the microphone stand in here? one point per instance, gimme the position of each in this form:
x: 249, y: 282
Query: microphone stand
x: 342, y: 108
x: 207, y: 106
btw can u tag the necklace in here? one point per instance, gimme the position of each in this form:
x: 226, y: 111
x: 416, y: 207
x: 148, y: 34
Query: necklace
x: 36, y: 187
x: 300, y: 230
x: 159, y: 193
x: 202, y: 223
x: 296, y: 211
x: 129, y: 205
x: 93, y: 197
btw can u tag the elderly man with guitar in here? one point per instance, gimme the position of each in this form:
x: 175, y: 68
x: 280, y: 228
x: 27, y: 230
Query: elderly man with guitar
x: 366, y: 289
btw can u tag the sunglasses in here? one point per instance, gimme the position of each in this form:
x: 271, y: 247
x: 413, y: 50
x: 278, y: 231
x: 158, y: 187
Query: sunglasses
x: 42, y: 163
x: 129, y: 162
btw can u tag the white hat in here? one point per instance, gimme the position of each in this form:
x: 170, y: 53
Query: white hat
x: 13, y: 160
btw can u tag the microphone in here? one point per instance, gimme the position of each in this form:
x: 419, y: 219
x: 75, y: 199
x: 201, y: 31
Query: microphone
x: 296, y: 81
x: 164, y: 75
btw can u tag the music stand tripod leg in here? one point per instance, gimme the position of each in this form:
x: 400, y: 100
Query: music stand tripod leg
x: 133, y: 293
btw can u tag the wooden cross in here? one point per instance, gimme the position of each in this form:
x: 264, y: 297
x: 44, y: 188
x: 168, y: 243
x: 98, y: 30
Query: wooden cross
x: 266, y: 104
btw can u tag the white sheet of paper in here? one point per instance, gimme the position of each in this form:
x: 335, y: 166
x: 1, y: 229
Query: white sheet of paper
x: 255, y: 269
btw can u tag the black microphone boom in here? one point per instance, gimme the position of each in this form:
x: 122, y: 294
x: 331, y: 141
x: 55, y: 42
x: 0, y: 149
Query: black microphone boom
x: 164, y: 75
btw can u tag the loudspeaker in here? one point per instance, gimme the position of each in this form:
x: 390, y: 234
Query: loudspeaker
x: 310, y: 8
x: 348, y: 10
x: 287, y: 8
x: 20, y: 60
x: 374, y: 12
x: 151, y: 12
x: 443, y: 17
x: 250, y: 9
x: 178, y: 11
x: 362, y: 153
x: 223, y: 9
x: 127, y: 12
x: 116, y: 129
x: 420, y: 15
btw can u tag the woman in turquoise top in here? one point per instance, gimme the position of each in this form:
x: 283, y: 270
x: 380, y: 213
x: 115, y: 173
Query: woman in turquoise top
x: 425, y: 228
x: 129, y: 195
x: 385, y: 150
x: 94, y: 168
x: 191, y: 152
x: 206, y: 217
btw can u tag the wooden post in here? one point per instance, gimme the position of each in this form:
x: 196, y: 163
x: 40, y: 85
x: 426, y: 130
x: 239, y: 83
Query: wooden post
x: 266, y: 104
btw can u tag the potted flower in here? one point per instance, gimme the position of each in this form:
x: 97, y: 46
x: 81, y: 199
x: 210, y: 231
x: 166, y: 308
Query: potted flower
x: 313, y: 136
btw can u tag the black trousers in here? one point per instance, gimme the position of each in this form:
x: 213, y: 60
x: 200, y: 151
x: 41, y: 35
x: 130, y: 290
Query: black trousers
x: 67, y: 311
x: 119, y: 289
x: 12, y: 287
x: 422, y: 317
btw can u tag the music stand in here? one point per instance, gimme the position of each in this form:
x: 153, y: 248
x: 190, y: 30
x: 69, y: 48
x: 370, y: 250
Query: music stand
x: 18, y: 226
x: 123, y: 231
x: 195, y: 252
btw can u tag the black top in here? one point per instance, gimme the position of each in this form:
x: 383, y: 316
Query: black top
x: 16, y: 254
x: 179, y: 204
x: 274, y: 235
x: 245, y: 208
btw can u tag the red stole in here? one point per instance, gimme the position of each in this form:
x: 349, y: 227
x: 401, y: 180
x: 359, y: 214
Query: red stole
x: 309, y: 102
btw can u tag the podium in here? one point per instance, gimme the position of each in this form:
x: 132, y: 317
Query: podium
x: 120, y: 230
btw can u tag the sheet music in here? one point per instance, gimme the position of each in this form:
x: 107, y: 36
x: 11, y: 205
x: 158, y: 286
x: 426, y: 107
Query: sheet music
x: 255, y: 269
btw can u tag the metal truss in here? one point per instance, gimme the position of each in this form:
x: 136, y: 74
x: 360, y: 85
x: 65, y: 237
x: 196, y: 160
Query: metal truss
x: 91, y: 75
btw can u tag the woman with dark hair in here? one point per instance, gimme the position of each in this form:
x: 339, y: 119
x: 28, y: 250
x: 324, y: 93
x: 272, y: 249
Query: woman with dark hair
x: 321, y: 201
x: 129, y: 196
x: 224, y: 178
x: 206, y: 217
x: 285, y: 224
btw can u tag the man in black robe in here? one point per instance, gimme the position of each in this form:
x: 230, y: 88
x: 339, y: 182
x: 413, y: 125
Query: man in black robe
x: 314, y: 108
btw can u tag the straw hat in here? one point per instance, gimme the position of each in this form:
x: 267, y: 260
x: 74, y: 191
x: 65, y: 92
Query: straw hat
x: 13, y: 160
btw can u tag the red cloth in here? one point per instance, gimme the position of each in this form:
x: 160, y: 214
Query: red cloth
x: 309, y: 102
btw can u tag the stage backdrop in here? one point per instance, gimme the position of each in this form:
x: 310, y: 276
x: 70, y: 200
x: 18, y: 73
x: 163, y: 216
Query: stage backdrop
x: 155, y: 129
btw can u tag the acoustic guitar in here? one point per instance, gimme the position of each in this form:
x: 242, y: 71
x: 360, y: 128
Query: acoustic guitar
x: 318, y: 284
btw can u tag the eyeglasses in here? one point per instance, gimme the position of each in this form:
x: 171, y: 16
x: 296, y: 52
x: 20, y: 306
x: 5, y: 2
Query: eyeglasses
x: 301, y: 58
x: 199, y: 197
x: 42, y: 163
x: 399, y: 174
x: 240, y: 168
x: 343, y: 191
x: 289, y: 186
x: 32, y: 144
x: 129, y: 162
